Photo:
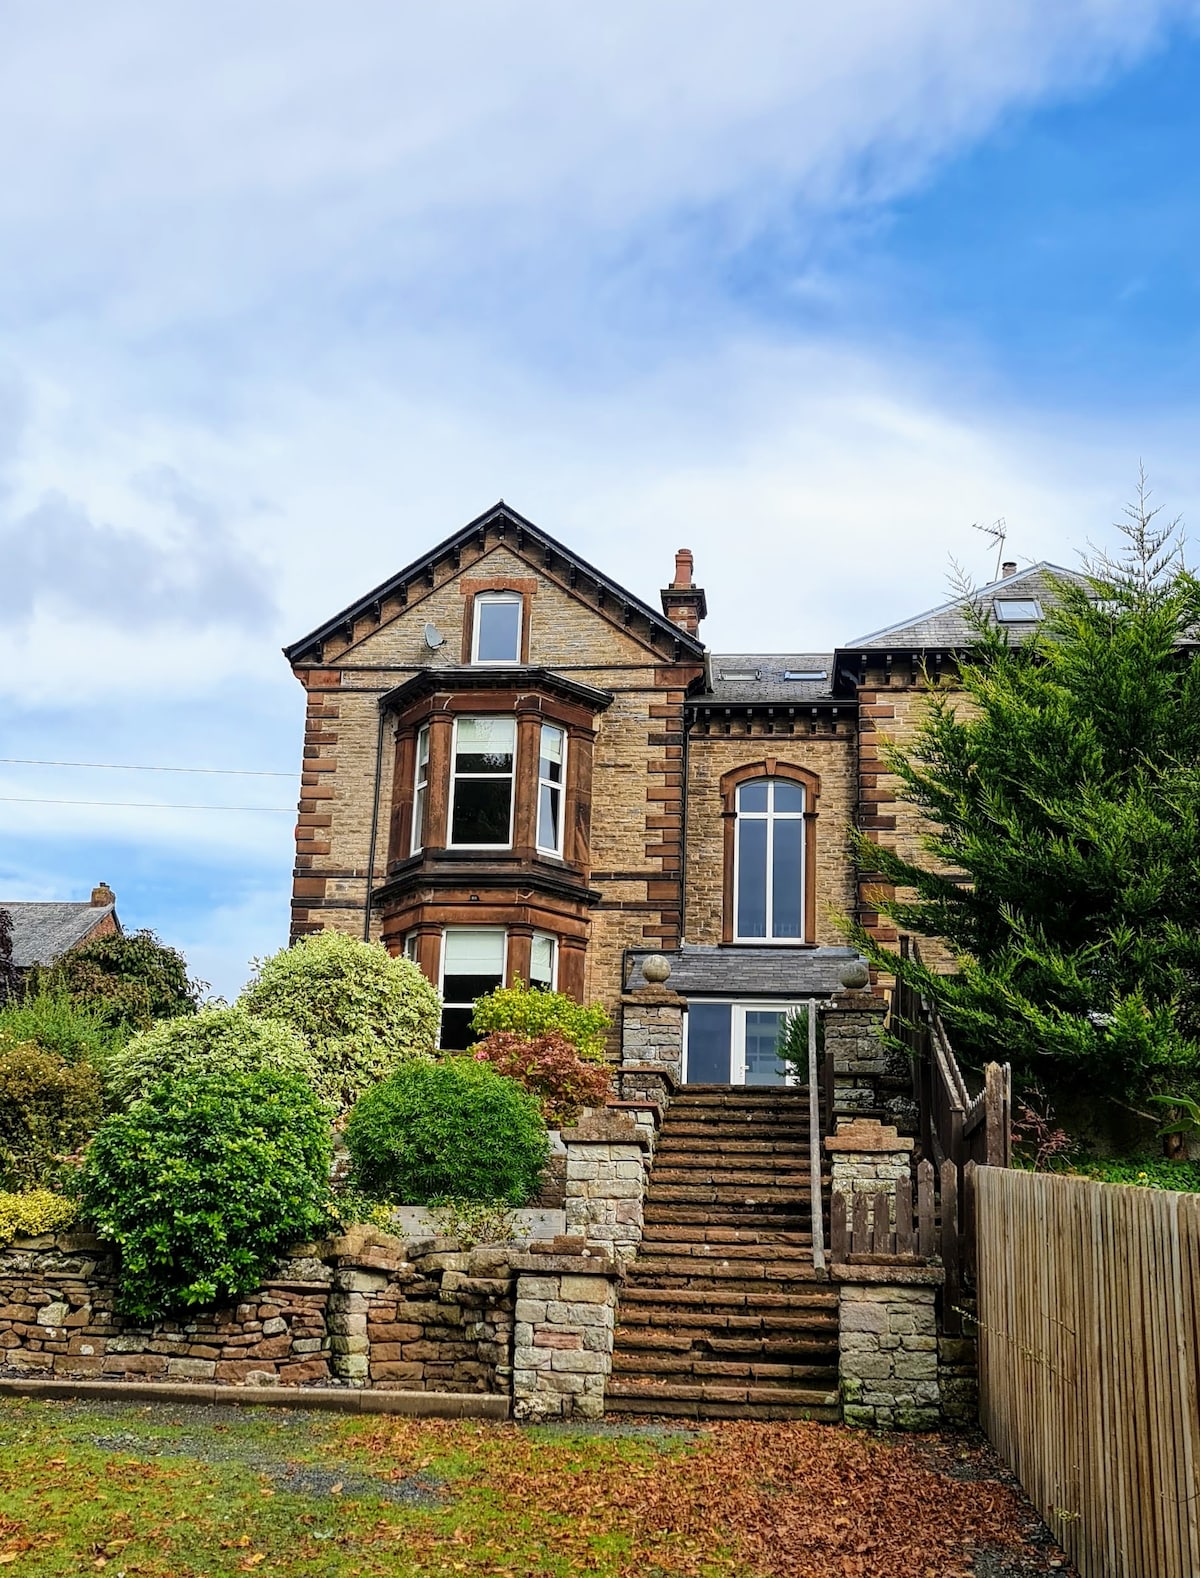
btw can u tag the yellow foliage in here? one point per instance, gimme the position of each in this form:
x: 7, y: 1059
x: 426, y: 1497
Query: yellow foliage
x: 37, y: 1211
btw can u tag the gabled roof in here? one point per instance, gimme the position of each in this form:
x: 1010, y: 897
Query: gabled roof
x: 553, y: 557
x: 41, y: 932
x: 948, y: 629
x: 748, y: 678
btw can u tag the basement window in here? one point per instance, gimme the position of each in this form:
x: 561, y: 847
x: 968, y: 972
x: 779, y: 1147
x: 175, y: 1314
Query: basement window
x: 1017, y: 610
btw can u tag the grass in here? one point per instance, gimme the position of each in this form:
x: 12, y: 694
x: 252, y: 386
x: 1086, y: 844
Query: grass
x: 186, y: 1492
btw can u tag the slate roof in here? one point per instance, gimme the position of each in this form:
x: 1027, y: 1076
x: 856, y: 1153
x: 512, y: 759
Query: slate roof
x: 946, y: 628
x: 728, y: 687
x: 41, y: 932
x: 699, y: 970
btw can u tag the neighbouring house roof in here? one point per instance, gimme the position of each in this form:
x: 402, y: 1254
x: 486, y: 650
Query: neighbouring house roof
x: 948, y: 628
x: 555, y: 557
x: 41, y: 932
x: 701, y: 970
x: 740, y: 678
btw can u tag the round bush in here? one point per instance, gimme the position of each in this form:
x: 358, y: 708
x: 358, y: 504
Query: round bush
x: 205, y: 1182
x: 48, y: 1108
x: 451, y: 1129
x: 360, y: 1011
x: 214, y: 1041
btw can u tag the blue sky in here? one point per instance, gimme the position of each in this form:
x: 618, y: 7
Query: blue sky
x: 287, y: 294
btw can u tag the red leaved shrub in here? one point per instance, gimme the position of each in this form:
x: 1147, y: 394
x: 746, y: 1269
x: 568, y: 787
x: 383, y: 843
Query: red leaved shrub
x: 551, y: 1068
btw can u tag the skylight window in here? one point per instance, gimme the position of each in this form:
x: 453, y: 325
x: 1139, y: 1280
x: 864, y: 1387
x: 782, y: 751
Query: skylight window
x: 806, y: 673
x: 1017, y: 610
x: 744, y: 675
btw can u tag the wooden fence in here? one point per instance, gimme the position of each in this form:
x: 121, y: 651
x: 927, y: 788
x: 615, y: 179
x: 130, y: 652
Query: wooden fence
x: 1089, y: 1365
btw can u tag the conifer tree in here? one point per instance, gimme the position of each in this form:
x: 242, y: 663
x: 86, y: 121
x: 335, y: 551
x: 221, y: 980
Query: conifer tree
x: 1062, y: 792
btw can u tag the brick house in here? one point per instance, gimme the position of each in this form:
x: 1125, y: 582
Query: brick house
x: 516, y: 768
x: 43, y: 930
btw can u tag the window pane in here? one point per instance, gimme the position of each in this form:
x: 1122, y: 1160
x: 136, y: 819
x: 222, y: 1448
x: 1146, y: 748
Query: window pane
x: 550, y: 765
x: 785, y: 890
x: 708, y: 1030
x: 788, y: 796
x: 547, y: 831
x: 485, y: 745
x: 752, y: 879
x: 422, y: 750
x: 541, y: 962
x: 457, y: 1034
x: 418, y: 834
x: 753, y: 797
x: 481, y: 811
x: 470, y: 952
x: 762, y: 1037
x: 499, y: 631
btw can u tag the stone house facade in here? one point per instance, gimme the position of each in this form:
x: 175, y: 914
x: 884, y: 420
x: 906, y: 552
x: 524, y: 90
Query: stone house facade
x: 515, y: 768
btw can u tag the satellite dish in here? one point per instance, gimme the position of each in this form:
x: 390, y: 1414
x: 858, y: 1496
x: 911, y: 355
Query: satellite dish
x: 434, y: 638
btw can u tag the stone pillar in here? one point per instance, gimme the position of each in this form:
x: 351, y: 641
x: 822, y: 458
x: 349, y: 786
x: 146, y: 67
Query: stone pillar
x: 608, y: 1157
x: 652, y: 1033
x: 888, y: 1348
x: 363, y: 1264
x: 853, y: 1030
x: 868, y: 1156
x: 563, y: 1337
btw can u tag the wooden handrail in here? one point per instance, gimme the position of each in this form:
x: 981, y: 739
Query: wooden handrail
x: 817, y: 1211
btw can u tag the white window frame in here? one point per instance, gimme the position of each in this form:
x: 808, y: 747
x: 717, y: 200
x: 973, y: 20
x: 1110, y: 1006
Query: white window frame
x: 477, y: 930
x: 737, y: 1032
x: 549, y: 783
x: 770, y: 816
x: 420, y: 783
x: 486, y: 599
x: 410, y: 947
x: 481, y: 777
x: 554, y: 951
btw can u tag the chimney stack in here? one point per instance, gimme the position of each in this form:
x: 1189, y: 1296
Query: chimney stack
x: 683, y: 601
x: 1009, y: 567
x: 102, y: 896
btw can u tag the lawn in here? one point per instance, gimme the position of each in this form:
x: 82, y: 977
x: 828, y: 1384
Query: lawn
x: 174, y: 1491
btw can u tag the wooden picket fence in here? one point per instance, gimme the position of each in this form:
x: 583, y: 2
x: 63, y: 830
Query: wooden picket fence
x: 1089, y: 1363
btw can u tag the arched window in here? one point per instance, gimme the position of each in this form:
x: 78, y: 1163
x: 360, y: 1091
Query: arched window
x: 770, y: 809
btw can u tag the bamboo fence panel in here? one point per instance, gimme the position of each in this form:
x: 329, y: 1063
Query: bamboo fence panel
x: 1089, y: 1363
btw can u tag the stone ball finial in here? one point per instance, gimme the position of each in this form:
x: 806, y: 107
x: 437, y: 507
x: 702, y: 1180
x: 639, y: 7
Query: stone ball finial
x: 656, y: 969
x: 854, y: 975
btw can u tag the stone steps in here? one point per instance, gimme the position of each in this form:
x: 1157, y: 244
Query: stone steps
x: 722, y: 1314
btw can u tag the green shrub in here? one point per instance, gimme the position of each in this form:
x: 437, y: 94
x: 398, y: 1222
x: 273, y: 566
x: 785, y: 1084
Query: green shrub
x: 531, y: 1013
x: 1147, y: 1172
x: 217, y: 1040
x: 128, y: 980
x: 56, y: 1023
x: 454, y: 1129
x: 33, y: 1212
x: 48, y: 1108
x: 474, y: 1222
x: 205, y: 1182
x: 360, y: 1011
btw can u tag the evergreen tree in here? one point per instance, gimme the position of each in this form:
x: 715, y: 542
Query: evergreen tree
x: 1063, y: 789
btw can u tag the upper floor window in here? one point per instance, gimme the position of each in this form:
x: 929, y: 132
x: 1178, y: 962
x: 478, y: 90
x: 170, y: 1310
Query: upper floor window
x: 481, y: 784
x: 420, y: 789
x: 769, y: 861
x: 497, y: 634
x: 552, y: 764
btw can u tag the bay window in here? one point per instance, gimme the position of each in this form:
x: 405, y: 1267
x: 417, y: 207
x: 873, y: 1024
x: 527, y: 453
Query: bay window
x: 420, y: 790
x: 473, y: 961
x: 543, y: 962
x: 481, y: 789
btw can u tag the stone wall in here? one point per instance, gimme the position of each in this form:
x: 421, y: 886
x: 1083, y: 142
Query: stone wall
x: 888, y: 1351
x: 562, y: 1352
x: 869, y: 1077
x: 608, y: 1162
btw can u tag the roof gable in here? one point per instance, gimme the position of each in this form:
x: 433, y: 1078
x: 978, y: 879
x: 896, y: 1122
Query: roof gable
x: 948, y: 627
x: 42, y: 932
x: 501, y: 525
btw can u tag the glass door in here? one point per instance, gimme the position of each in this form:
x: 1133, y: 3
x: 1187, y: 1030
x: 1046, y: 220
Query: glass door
x: 735, y: 1043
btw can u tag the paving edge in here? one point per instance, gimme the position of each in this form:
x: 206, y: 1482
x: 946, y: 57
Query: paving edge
x: 347, y: 1400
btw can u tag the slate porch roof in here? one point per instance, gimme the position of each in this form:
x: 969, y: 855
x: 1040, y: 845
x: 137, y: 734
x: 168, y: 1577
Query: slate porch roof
x: 948, y: 629
x: 707, y: 970
x: 41, y: 932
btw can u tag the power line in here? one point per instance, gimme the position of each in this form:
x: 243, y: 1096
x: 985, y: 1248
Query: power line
x: 138, y: 767
x: 141, y: 805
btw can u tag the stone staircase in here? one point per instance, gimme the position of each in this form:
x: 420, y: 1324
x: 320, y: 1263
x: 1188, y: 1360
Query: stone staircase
x: 722, y: 1314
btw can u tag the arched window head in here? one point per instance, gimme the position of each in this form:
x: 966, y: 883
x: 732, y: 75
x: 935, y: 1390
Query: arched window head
x: 770, y: 809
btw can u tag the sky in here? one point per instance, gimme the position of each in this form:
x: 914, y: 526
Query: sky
x: 290, y: 292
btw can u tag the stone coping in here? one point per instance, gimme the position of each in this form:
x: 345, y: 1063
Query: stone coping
x: 868, y: 1135
x: 607, y: 1127
x: 600, y: 1264
x: 351, y: 1400
x: 894, y: 1276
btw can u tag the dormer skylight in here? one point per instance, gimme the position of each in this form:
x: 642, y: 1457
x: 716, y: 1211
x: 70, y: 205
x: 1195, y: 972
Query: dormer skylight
x: 1017, y: 610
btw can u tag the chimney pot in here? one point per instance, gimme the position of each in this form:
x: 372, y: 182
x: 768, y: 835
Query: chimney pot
x: 1009, y: 567
x: 683, y: 601
x: 684, y: 564
x: 102, y: 896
